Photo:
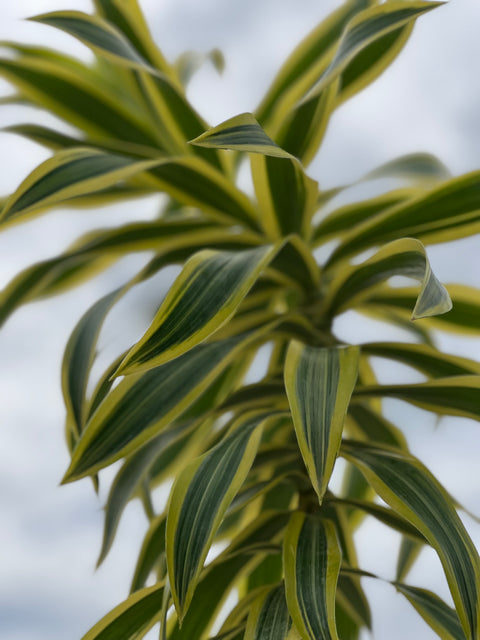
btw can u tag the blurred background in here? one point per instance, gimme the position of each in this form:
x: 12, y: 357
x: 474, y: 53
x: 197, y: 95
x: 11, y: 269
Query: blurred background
x: 428, y: 100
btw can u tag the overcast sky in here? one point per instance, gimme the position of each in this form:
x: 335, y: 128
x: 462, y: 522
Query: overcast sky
x: 428, y: 101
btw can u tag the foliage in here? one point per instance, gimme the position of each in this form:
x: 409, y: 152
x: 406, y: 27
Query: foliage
x: 252, y: 462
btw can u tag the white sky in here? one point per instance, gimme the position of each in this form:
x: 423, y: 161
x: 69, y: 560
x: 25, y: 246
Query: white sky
x: 428, y: 101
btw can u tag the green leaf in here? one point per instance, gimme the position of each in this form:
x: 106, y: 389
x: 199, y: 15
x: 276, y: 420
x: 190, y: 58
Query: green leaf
x: 129, y: 19
x: 311, y: 563
x: 80, y: 96
x: 407, y: 555
x: 128, y: 479
x: 70, y: 173
x: 143, y: 404
x: 455, y: 396
x: 243, y: 554
x: 240, y: 133
x: 438, y: 615
x: 269, y: 618
x: 374, y: 427
x: 366, y: 28
x: 408, y: 487
x: 151, y: 552
x: 463, y: 316
x: 319, y: 383
x: 351, y: 597
x: 286, y: 195
x: 200, y: 497
x: 131, y: 619
x: 424, y: 358
x: 98, y: 34
x: 405, y: 257
x: 203, y: 298
x: 78, y: 358
x: 448, y: 212
x: 422, y: 167
x: 306, y: 62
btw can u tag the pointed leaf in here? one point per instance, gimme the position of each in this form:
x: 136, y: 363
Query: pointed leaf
x: 131, y: 619
x: 151, y: 552
x: 405, y: 257
x: 240, y: 133
x: 199, y: 499
x: 319, y: 383
x: 407, y: 555
x: 409, y: 488
x: 143, y: 404
x: 311, y: 563
x: 203, y: 297
x: 438, y: 615
x: 78, y: 359
x: 413, y: 166
x: 366, y: 28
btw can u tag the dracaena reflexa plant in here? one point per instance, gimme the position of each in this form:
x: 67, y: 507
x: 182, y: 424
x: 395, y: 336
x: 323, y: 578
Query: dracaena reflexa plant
x: 251, y: 463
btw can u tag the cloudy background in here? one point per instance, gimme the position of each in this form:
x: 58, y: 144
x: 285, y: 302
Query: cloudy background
x: 429, y: 100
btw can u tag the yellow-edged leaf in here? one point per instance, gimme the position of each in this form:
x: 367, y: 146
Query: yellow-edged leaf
x: 408, y: 487
x: 319, y: 383
x: 269, y: 618
x: 311, y: 560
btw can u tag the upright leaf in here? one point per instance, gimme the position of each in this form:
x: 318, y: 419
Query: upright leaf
x: 269, y: 618
x: 319, y: 383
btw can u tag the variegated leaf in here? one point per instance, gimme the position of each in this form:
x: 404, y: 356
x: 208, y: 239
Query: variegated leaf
x: 319, y: 383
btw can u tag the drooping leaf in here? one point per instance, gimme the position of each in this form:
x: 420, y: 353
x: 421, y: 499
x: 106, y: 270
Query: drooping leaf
x: 406, y: 485
x: 131, y: 619
x: 311, y: 563
x: 438, y: 615
x: 448, y: 212
x: 142, y: 404
x: 462, y: 317
x: 401, y: 257
x: 413, y: 166
x: 240, y: 133
x: 424, y: 358
x: 353, y: 599
x: 374, y: 427
x: 78, y: 359
x: 200, y: 497
x: 407, y: 555
x: 319, y: 383
x: 455, y: 396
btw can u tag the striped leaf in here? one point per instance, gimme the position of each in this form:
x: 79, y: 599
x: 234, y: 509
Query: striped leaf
x: 269, y: 618
x: 286, y: 195
x: 353, y: 600
x: 405, y: 257
x: 463, y: 316
x: 306, y: 62
x: 311, y: 563
x: 408, y: 487
x: 200, y: 497
x: 80, y: 96
x: 70, y: 173
x: 455, y: 396
x: 438, y: 615
x: 129, y: 19
x: 135, y: 470
x: 203, y: 297
x: 372, y: 426
x: 344, y: 219
x: 422, y: 167
x: 132, y: 619
x: 78, y: 358
x: 319, y: 383
x: 143, y: 404
x: 446, y: 213
x: 240, y: 133
x: 365, y: 29
x: 424, y: 358
x: 243, y: 553
x: 98, y: 34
